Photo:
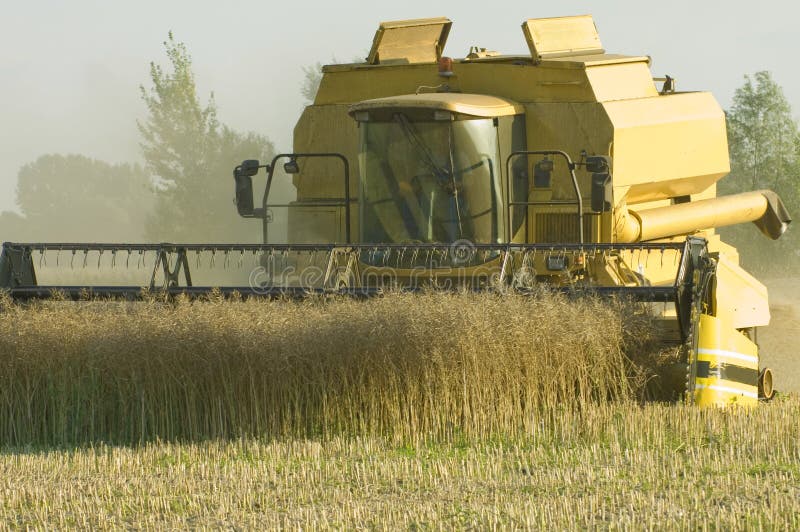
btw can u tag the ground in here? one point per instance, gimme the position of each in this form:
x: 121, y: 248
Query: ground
x: 619, y: 466
x: 779, y: 342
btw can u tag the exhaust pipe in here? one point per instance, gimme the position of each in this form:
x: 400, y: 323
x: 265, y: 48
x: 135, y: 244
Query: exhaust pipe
x: 762, y: 207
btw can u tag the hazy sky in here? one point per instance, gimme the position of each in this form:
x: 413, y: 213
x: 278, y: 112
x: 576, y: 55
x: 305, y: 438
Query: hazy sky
x: 70, y: 69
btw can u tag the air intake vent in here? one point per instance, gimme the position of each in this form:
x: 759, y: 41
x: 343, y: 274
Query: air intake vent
x: 561, y: 227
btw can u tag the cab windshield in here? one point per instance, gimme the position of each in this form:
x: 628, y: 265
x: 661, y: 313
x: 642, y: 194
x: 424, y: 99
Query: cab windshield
x: 430, y: 181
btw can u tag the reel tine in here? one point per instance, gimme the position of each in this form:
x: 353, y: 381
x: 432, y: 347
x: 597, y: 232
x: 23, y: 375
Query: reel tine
x: 398, y: 257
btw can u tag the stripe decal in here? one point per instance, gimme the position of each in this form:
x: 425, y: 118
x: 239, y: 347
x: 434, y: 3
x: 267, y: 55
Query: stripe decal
x: 729, y: 372
x: 739, y: 374
x: 753, y: 359
x: 725, y: 389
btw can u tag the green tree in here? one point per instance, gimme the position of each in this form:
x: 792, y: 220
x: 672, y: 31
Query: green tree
x: 75, y: 198
x: 312, y: 76
x: 12, y: 227
x: 192, y: 156
x: 765, y: 153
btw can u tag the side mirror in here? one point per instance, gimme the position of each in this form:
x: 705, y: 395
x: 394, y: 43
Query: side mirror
x: 250, y: 167
x: 542, y: 172
x: 602, y: 189
x: 243, y: 175
x: 598, y: 164
x: 291, y: 167
x: 602, y: 192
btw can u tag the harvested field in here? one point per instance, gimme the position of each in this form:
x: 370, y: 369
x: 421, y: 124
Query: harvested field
x: 779, y: 342
x: 397, y: 366
x: 611, y: 466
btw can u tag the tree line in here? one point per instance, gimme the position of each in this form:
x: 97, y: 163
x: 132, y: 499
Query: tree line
x: 180, y: 193
x: 183, y: 193
x: 764, y: 144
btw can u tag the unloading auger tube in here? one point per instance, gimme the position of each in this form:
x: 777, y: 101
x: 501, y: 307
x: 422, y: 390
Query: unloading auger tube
x: 762, y: 207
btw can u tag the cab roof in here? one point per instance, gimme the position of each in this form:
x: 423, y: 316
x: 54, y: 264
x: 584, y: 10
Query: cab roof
x: 478, y: 105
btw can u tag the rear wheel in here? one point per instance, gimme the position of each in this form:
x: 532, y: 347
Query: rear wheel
x: 766, y: 391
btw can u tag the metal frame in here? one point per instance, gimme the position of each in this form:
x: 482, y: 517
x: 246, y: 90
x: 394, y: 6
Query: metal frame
x: 345, y: 202
x: 510, y: 204
x: 18, y: 273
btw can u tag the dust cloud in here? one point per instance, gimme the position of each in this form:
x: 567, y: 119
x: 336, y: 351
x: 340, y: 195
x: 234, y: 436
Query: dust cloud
x: 779, y: 341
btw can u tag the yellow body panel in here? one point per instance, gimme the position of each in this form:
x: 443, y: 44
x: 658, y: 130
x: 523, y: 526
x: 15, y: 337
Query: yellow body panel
x: 667, y: 146
x: 621, y: 81
x: 663, y: 146
x: 732, y: 362
x: 739, y: 297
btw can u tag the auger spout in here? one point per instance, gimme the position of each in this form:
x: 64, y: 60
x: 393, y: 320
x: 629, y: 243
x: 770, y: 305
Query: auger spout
x: 762, y: 207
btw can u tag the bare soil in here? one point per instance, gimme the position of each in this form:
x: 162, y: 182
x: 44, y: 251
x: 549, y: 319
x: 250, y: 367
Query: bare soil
x: 779, y: 342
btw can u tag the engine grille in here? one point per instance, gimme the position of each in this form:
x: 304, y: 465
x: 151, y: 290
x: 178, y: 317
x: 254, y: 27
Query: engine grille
x: 560, y: 227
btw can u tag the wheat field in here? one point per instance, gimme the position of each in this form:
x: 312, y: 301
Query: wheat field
x: 426, y: 411
x: 396, y: 366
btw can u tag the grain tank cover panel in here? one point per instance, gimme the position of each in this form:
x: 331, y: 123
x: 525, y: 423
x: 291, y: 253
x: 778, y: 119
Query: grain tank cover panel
x: 562, y: 36
x: 409, y: 41
x: 667, y: 146
x: 621, y: 81
x: 479, y: 105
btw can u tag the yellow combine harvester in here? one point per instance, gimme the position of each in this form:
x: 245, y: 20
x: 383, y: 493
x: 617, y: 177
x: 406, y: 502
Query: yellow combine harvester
x: 569, y: 168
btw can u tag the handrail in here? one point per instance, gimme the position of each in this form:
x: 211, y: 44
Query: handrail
x: 328, y: 203
x: 570, y: 165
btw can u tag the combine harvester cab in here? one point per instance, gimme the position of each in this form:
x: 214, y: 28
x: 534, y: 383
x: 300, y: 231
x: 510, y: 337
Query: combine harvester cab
x: 566, y: 168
